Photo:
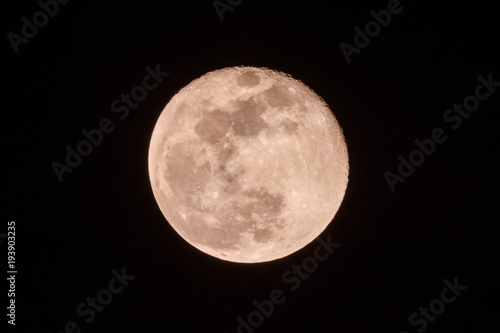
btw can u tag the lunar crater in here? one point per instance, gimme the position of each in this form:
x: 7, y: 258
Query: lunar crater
x: 248, y: 79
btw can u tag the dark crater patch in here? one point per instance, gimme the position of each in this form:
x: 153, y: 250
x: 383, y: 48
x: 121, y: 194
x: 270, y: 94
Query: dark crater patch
x: 289, y: 126
x: 261, y: 204
x: 247, y: 120
x: 229, y: 181
x: 262, y: 235
x: 248, y: 79
x: 279, y: 96
x: 182, y: 174
x: 213, y: 126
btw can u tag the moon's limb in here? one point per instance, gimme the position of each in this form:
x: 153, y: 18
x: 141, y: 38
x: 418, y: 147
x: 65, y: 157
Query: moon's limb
x: 248, y: 164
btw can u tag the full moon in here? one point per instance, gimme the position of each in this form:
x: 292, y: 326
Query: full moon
x: 248, y: 164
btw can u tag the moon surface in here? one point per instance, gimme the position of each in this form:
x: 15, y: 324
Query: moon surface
x: 248, y: 164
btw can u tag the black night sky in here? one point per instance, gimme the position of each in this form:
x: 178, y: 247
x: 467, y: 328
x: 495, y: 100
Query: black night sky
x: 397, y: 247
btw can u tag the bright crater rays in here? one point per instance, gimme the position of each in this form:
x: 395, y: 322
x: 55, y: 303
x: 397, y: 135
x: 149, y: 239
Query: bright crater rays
x: 248, y: 164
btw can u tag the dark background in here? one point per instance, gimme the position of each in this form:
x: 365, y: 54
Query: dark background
x: 397, y: 248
